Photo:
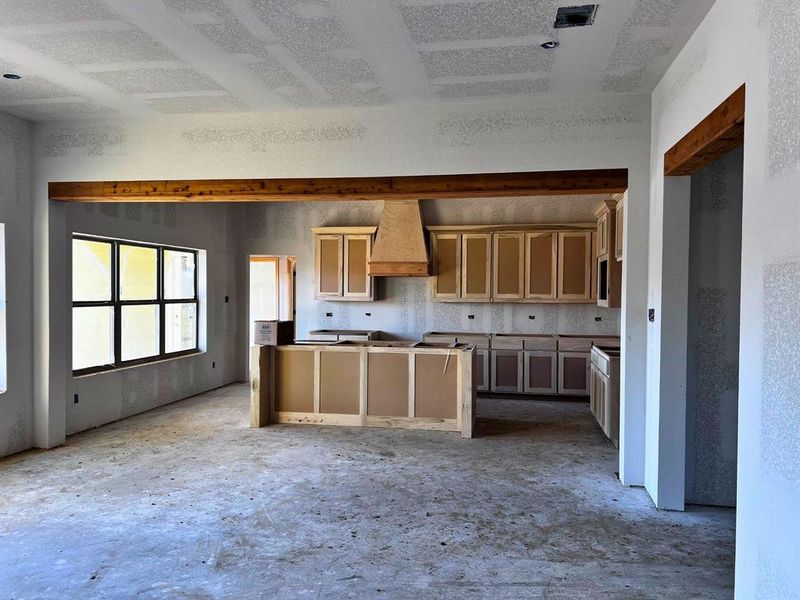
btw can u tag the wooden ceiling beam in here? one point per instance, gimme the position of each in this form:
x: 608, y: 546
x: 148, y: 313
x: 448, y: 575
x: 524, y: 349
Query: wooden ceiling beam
x: 716, y: 135
x: 489, y: 185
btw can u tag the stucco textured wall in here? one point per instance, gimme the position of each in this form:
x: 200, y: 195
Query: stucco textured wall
x: 16, y: 408
x: 752, y: 42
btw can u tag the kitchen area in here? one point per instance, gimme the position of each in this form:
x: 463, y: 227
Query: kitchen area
x: 537, y: 300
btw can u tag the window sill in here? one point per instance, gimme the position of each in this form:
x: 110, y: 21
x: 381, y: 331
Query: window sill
x: 147, y: 364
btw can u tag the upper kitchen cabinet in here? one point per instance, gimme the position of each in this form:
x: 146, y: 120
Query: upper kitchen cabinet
x: 574, y: 265
x: 619, y: 228
x: 541, y: 265
x: 476, y: 256
x: 508, y: 267
x: 608, y: 287
x: 340, y: 266
x: 446, y: 251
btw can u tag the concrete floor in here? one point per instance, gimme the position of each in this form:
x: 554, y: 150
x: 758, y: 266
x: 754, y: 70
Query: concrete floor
x: 187, y: 502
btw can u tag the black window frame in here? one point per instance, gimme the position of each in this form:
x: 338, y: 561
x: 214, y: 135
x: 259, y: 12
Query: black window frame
x: 117, y: 304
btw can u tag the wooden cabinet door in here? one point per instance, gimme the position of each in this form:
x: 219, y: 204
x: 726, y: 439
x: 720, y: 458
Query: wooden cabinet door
x: 476, y: 256
x: 446, y: 249
x: 619, y: 230
x: 541, y: 265
x: 329, y: 260
x: 540, y: 369
x: 508, y: 266
x: 507, y: 371
x: 573, y: 373
x: 482, y: 369
x: 602, y: 234
x: 357, y: 283
x: 575, y: 265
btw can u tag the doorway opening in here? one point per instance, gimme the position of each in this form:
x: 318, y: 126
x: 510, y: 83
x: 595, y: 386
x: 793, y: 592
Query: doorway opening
x: 271, y: 285
x: 700, y: 318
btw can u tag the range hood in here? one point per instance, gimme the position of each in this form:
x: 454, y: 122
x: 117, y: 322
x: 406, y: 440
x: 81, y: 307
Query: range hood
x: 399, y: 249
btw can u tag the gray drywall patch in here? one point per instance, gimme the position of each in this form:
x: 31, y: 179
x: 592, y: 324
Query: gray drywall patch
x: 780, y: 409
x: 97, y: 141
x: 109, y: 210
x: 539, y: 125
x: 478, y: 20
x: 493, y: 88
x: 783, y: 21
x: 266, y: 139
x: 133, y: 212
x: 170, y: 215
x: 148, y: 81
x: 193, y: 104
x: 80, y: 47
x: 11, y: 154
x: 486, y: 61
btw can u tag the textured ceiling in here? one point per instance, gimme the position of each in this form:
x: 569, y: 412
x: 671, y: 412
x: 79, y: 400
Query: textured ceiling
x: 85, y: 58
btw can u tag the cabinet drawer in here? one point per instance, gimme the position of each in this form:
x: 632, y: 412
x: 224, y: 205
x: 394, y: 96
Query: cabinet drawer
x: 480, y: 341
x: 574, y: 344
x: 505, y: 342
x: 439, y: 338
x: 545, y: 343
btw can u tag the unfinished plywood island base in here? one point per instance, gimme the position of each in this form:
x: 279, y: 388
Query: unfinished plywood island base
x: 403, y: 385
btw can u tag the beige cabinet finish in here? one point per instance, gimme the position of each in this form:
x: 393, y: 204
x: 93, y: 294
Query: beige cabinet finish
x: 507, y: 369
x: 541, y: 265
x: 329, y: 261
x: 508, y: 266
x: 573, y: 373
x: 476, y: 256
x: 619, y: 229
x: 341, y: 262
x: 446, y: 250
x: 540, y: 372
x: 603, y: 234
x: 574, y: 265
x: 357, y: 283
x: 604, y: 397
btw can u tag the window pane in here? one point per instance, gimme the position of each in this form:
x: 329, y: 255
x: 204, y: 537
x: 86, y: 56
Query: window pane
x: 92, y: 336
x: 138, y: 268
x: 91, y: 271
x: 180, y: 327
x: 178, y: 275
x: 139, y: 331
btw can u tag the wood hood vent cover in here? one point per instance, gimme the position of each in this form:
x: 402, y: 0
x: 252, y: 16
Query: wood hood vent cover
x: 400, y: 249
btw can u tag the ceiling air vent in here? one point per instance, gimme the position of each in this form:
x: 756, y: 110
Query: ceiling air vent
x: 575, y: 16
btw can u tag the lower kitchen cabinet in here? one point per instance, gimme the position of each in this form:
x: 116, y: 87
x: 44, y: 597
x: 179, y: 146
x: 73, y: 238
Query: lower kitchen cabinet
x: 573, y: 373
x: 540, y: 369
x: 507, y: 370
x: 482, y: 369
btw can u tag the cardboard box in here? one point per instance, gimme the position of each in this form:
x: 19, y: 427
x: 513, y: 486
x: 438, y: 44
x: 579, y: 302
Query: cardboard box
x: 273, y: 333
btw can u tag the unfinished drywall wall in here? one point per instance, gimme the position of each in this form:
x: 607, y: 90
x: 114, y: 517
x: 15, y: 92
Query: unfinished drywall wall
x: 514, y: 135
x: 16, y: 408
x: 106, y: 397
x: 405, y: 309
x: 755, y: 43
x: 712, y: 374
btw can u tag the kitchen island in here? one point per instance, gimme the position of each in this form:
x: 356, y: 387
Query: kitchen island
x: 407, y: 385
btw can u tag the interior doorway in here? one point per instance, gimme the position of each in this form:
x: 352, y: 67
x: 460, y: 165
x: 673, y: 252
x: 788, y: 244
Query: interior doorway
x: 699, y: 320
x: 271, y: 295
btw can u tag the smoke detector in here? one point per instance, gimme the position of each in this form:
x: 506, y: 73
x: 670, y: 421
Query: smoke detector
x: 575, y: 16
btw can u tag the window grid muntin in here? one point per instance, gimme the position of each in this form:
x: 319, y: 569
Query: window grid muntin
x: 117, y: 304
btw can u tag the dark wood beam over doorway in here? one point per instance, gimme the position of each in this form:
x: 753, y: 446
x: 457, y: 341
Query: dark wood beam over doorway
x: 716, y: 135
